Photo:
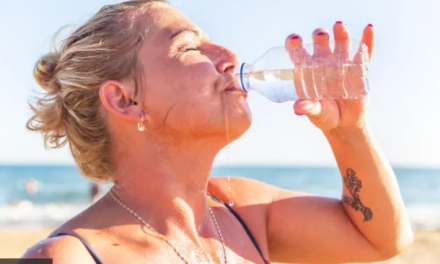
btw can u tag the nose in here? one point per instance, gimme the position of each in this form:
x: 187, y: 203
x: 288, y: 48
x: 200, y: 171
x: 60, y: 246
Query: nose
x: 226, y: 60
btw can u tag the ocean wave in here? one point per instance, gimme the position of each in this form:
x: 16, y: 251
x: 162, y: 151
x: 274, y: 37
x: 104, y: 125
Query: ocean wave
x: 25, y: 214
x: 424, y: 216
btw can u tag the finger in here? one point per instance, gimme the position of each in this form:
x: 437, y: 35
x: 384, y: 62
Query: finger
x: 321, y: 52
x: 357, y: 74
x: 293, y: 41
x: 342, y: 41
x: 310, y: 108
x: 294, y: 47
x: 321, y: 43
x: 366, y: 46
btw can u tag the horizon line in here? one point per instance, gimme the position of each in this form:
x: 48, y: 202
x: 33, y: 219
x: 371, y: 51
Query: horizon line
x: 255, y: 165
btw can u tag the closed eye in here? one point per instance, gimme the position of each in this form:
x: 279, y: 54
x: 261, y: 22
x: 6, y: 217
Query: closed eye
x: 188, y: 47
x: 192, y: 49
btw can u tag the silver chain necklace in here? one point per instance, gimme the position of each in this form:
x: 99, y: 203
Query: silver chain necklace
x: 163, y: 237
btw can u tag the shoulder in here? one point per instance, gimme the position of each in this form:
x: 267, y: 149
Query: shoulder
x: 242, y: 191
x: 62, y: 249
x: 251, y: 200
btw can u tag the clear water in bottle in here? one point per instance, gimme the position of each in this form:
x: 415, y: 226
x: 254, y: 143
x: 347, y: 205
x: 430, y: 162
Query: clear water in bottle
x: 283, y: 74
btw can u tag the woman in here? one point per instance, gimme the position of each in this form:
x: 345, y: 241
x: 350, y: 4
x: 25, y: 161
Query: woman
x: 142, y: 97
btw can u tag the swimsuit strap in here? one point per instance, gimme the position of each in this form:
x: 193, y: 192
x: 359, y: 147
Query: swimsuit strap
x: 248, y: 231
x: 88, y: 247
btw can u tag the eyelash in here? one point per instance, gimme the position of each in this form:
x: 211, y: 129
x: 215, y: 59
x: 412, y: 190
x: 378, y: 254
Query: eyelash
x: 192, y: 48
x: 187, y: 48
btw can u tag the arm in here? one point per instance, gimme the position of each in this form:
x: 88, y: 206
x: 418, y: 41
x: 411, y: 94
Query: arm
x: 371, y: 195
x: 303, y: 228
x: 368, y: 224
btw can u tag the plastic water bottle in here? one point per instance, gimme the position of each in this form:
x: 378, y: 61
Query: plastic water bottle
x: 287, y: 74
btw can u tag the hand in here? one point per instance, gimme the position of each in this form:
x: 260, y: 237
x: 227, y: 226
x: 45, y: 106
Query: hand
x: 329, y: 114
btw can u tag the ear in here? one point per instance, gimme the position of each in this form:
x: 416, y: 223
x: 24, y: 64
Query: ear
x: 117, y: 99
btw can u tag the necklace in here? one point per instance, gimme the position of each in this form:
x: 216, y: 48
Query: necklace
x: 163, y: 237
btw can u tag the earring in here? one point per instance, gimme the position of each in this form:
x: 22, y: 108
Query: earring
x: 141, y: 126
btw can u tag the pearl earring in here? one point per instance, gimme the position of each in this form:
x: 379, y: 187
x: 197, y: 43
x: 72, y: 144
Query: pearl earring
x: 141, y: 126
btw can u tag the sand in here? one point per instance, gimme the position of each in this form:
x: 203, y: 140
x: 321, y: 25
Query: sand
x: 425, y: 250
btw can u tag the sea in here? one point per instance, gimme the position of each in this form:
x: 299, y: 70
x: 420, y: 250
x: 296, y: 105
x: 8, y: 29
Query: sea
x: 60, y: 192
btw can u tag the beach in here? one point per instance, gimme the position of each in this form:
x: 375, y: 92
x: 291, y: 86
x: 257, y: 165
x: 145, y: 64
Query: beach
x: 425, y: 250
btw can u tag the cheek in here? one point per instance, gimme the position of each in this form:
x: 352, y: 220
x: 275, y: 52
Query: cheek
x: 183, y: 93
x: 189, y: 77
x: 195, y: 87
x: 197, y: 77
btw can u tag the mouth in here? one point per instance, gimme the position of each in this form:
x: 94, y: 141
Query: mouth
x: 235, y: 89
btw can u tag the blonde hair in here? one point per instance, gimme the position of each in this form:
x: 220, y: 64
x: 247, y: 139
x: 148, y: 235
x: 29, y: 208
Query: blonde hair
x: 104, y: 48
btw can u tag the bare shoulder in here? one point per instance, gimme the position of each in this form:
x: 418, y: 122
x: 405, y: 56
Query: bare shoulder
x: 67, y: 249
x: 63, y: 249
x: 251, y: 201
x: 242, y: 191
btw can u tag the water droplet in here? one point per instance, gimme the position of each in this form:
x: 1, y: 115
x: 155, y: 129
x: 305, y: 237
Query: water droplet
x: 229, y: 188
x: 231, y: 203
x: 229, y: 178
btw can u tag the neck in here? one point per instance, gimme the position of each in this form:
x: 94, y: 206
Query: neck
x: 166, y: 183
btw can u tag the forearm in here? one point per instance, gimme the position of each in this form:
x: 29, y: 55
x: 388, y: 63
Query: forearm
x: 371, y: 195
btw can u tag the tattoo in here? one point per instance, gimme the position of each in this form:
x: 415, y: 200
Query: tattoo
x: 354, y: 185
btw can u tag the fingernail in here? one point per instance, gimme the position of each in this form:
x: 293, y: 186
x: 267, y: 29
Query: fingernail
x: 298, y: 114
x: 321, y: 34
x: 338, y: 22
x: 294, y: 37
x: 370, y: 25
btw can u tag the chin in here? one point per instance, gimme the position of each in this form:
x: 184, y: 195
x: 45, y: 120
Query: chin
x: 238, y: 125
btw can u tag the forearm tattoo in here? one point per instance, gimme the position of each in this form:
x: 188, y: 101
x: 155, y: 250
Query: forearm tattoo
x: 354, y: 186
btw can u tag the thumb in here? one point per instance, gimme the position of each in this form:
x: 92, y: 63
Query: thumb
x: 310, y: 108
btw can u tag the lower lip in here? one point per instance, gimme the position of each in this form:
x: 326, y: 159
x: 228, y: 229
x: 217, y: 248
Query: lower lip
x: 238, y: 91
x: 234, y: 90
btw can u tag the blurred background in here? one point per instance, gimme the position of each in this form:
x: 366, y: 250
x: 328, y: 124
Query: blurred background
x: 39, y: 189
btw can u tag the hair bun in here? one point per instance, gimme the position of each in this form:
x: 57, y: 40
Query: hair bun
x: 44, y: 71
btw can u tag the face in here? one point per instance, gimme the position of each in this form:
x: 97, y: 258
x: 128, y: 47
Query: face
x: 188, y: 85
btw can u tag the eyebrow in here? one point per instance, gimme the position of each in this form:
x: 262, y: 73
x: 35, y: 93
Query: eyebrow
x: 185, y: 31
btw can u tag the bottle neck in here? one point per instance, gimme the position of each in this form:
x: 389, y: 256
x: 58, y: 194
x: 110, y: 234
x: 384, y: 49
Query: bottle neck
x: 241, y: 75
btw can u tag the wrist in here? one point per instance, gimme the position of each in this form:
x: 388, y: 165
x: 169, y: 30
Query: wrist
x: 348, y: 134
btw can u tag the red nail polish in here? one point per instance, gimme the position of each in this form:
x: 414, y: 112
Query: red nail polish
x: 294, y: 37
x: 338, y: 22
x: 321, y: 34
x: 298, y: 114
x: 370, y: 25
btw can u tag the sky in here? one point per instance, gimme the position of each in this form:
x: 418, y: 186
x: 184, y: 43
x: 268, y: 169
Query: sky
x: 404, y: 78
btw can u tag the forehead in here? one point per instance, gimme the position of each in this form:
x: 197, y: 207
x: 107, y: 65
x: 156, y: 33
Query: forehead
x: 165, y: 21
